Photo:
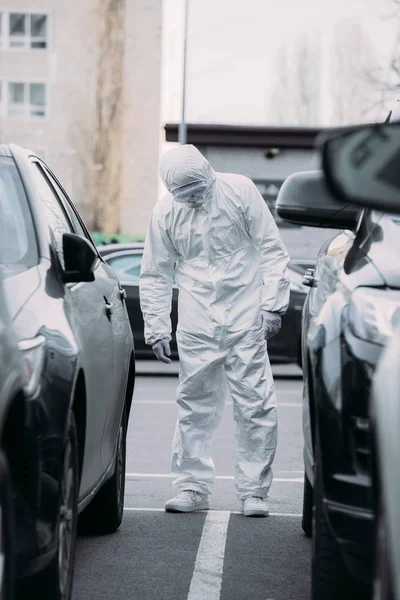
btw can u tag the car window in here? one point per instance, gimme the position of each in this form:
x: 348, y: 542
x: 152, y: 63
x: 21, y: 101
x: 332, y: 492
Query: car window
x: 18, y: 247
x: 127, y: 266
x: 55, y: 214
x: 69, y: 207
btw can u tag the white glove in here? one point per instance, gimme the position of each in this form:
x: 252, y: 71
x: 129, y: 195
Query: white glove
x: 271, y: 323
x: 162, y: 351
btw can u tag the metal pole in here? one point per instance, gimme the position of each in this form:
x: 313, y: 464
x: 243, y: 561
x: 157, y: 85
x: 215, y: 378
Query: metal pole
x: 182, y: 137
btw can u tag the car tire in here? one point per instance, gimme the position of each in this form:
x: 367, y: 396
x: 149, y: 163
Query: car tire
x: 54, y: 582
x: 7, y: 531
x: 308, y: 503
x: 383, y: 577
x: 330, y: 579
x: 105, y: 513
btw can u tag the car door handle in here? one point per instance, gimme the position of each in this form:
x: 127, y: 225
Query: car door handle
x: 109, y: 308
x: 309, y: 279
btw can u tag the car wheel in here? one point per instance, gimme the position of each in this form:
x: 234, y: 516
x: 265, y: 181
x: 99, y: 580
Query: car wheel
x: 330, y: 580
x: 54, y: 582
x: 104, y: 514
x: 7, y: 532
x: 383, y: 578
x: 308, y: 503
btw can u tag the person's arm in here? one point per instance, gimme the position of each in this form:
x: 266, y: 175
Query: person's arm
x: 273, y: 254
x: 156, y: 279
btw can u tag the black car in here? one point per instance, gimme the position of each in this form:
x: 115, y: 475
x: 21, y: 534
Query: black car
x: 12, y: 384
x: 385, y: 425
x: 355, y: 280
x: 126, y: 260
x: 371, y: 180
x: 68, y: 313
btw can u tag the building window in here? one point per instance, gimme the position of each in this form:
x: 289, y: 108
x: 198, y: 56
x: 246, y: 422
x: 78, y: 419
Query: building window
x: 27, y: 30
x: 27, y: 99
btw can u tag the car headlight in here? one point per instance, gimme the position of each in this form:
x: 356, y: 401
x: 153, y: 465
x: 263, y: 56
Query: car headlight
x: 374, y: 314
x: 33, y: 355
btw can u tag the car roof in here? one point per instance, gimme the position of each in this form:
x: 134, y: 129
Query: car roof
x: 111, y: 248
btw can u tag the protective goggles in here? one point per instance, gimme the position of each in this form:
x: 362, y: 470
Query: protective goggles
x: 193, y: 193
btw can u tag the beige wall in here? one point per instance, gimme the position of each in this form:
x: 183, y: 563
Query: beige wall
x: 70, y: 67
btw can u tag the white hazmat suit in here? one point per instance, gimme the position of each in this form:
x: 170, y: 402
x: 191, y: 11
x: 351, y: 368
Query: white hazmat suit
x: 229, y: 263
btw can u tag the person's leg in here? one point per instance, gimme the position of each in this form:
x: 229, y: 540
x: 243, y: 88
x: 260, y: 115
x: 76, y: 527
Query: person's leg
x: 253, y: 393
x: 200, y: 397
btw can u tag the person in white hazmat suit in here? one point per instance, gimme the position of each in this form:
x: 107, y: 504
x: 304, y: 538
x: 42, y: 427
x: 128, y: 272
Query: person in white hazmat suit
x: 215, y: 237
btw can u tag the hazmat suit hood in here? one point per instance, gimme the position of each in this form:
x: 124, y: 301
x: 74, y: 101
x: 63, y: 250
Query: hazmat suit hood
x: 183, y: 166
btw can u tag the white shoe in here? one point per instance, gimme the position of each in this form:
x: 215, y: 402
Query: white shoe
x: 255, y: 507
x: 187, y: 501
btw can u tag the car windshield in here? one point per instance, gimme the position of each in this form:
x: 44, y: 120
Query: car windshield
x: 17, y: 239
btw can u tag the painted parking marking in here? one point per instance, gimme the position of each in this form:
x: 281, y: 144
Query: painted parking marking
x: 223, y: 477
x: 207, y: 575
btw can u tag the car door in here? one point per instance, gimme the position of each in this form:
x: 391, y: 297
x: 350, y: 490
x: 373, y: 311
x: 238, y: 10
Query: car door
x: 323, y: 282
x: 86, y: 307
x: 127, y: 264
x: 122, y: 343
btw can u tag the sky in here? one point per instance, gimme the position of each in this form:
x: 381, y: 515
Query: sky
x: 234, y: 46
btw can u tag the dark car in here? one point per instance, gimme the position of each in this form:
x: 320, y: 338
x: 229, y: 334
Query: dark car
x: 385, y: 426
x: 70, y: 321
x: 12, y: 399
x: 371, y: 180
x: 126, y: 260
x: 344, y: 330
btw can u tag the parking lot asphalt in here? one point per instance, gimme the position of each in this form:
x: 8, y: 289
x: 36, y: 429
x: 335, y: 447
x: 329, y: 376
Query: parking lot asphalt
x: 218, y: 554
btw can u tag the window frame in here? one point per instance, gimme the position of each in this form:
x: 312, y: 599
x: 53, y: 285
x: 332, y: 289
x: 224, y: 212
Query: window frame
x: 27, y: 106
x: 29, y: 221
x: 38, y: 167
x: 5, y: 37
x: 67, y: 204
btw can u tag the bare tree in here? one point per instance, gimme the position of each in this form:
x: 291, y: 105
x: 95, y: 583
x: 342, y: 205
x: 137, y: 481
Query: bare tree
x: 307, y: 79
x: 279, y: 105
x: 97, y: 131
x: 386, y: 77
x: 295, y: 98
x: 393, y: 80
x: 353, y: 64
x: 107, y: 150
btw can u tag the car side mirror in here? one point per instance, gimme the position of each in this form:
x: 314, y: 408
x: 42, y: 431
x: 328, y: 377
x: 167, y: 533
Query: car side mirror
x: 79, y: 259
x: 304, y: 199
x: 362, y: 166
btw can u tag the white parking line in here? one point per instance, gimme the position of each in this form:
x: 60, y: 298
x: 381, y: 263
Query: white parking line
x: 228, y: 477
x: 207, y: 575
x: 233, y: 512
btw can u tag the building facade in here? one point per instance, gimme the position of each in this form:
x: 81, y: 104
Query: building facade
x: 80, y: 85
